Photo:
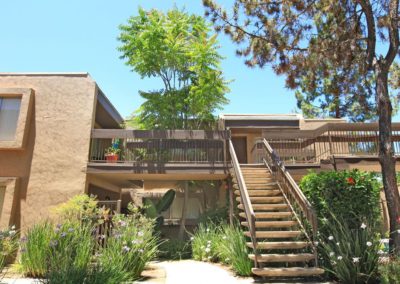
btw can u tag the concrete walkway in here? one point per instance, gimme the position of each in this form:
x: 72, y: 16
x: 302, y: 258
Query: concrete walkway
x: 181, y: 272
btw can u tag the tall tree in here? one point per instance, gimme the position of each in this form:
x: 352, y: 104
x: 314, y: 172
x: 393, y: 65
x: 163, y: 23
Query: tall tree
x: 177, y: 48
x: 298, y: 35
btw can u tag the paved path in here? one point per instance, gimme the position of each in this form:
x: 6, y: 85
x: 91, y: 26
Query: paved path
x: 181, y: 272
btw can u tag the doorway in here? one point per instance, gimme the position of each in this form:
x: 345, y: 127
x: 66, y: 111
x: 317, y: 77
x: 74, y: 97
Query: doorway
x: 240, y: 146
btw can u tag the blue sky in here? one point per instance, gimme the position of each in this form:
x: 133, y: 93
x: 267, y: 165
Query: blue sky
x: 80, y: 35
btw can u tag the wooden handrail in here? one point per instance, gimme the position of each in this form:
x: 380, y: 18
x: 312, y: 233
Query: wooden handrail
x: 291, y: 191
x: 244, y: 196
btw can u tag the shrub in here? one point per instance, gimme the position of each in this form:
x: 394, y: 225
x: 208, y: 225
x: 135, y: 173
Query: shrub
x: 217, y: 216
x: 8, y: 246
x: 70, y: 253
x: 205, y: 242
x: 130, y: 247
x: 175, y: 249
x: 80, y: 207
x: 350, y: 195
x: 232, y: 250
x: 348, y: 253
x: 390, y: 271
x: 223, y: 243
x: 35, y: 249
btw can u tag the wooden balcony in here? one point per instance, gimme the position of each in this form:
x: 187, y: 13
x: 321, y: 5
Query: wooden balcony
x: 159, y: 152
x: 346, y: 141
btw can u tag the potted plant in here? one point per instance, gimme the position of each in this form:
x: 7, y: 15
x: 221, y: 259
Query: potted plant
x: 112, y: 154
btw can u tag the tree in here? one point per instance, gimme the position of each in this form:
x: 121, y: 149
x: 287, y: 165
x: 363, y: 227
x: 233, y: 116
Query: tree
x: 178, y: 49
x: 317, y: 35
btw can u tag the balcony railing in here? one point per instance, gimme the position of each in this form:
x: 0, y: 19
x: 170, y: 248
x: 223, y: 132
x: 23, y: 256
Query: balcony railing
x: 341, y: 139
x: 157, y: 146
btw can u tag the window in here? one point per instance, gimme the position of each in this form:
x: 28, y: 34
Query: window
x: 9, y: 112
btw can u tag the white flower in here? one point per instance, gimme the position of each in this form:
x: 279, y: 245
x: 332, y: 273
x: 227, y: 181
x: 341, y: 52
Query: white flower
x: 337, y: 243
x: 380, y: 251
x: 363, y: 226
x: 356, y: 259
x: 224, y: 237
x: 398, y: 231
x: 208, y: 242
x: 207, y: 230
x: 340, y: 257
x: 191, y: 238
x: 369, y: 244
x: 331, y: 253
x: 316, y: 243
x: 140, y: 234
x: 330, y: 238
x: 13, y: 227
x: 207, y: 250
x: 12, y: 233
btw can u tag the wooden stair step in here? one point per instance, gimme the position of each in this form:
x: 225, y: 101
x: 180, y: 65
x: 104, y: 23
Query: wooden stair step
x: 275, y: 234
x: 269, y: 215
x: 300, y: 257
x: 266, y: 207
x: 258, y: 186
x: 272, y: 224
x: 260, y: 192
x: 262, y: 199
x: 279, y: 245
x: 287, y: 271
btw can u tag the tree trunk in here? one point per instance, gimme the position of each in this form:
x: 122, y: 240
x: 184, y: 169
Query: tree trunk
x: 182, y: 227
x: 386, y: 156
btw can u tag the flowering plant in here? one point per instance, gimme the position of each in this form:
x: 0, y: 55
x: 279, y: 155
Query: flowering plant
x: 8, y: 245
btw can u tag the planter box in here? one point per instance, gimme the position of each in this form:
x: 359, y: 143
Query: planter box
x: 111, y: 158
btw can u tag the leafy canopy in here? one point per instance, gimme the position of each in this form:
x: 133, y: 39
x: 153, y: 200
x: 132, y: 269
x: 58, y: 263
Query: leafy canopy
x: 177, y: 48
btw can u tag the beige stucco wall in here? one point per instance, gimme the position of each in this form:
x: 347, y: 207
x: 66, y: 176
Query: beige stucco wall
x: 52, y: 166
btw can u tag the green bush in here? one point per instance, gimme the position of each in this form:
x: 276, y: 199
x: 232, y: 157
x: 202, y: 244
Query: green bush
x: 233, y: 251
x: 80, y: 207
x: 8, y: 246
x: 350, y: 253
x: 222, y: 243
x: 350, y: 195
x: 71, y: 248
x: 174, y: 249
x: 205, y: 242
x: 131, y: 246
x: 35, y: 249
x: 390, y: 271
x: 218, y: 216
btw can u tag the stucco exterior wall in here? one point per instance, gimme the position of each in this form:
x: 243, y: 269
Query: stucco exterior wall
x: 51, y: 167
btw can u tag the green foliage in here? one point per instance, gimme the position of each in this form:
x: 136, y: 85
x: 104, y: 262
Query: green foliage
x: 8, y: 246
x: 177, y: 48
x: 233, y: 250
x: 35, y: 249
x: 154, y: 211
x: 390, y: 271
x: 130, y: 248
x: 70, y: 254
x: 353, y: 196
x: 224, y: 243
x: 350, y: 253
x: 205, y: 242
x: 80, y: 207
x: 218, y: 215
x: 175, y: 249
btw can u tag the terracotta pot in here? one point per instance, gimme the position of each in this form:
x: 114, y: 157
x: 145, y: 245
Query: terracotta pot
x: 111, y: 158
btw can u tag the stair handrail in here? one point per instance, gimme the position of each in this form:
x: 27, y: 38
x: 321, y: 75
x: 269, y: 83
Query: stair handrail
x: 244, y: 196
x: 282, y: 176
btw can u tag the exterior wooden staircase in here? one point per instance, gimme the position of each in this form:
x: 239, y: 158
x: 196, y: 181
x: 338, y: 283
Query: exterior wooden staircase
x: 281, y: 248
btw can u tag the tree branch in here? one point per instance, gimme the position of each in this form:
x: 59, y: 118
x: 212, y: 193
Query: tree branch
x: 371, y: 42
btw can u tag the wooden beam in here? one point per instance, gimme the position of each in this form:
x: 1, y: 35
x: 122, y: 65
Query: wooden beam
x: 161, y: 134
